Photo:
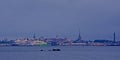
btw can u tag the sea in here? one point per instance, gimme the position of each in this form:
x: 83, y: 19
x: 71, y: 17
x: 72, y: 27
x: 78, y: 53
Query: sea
x: 66, y: 53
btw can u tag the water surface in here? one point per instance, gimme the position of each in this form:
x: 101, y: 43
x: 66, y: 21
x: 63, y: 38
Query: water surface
x: 66, y: 53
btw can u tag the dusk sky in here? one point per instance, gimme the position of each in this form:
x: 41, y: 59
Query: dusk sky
x: 96, y: 19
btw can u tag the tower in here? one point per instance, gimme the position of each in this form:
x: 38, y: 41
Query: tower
x: 114, y: 37
x: 79, y: 37
x: 34, y: 37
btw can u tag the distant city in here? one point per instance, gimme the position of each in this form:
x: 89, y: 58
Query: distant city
x: 57, y: 41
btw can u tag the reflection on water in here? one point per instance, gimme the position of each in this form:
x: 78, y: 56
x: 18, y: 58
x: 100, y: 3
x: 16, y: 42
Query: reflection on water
x: 66, y: 53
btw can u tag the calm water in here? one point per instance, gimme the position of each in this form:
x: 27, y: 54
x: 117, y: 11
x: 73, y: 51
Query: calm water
x: 67, y: 53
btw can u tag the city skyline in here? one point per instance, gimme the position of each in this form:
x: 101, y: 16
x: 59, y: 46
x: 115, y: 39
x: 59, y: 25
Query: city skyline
x: 58, y: 41
x: 79, y: 37
x: 95, y: 19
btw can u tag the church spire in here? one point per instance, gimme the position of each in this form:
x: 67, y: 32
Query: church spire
x: 34, y: 37
x: 114, y: 37
x: 79, y: 37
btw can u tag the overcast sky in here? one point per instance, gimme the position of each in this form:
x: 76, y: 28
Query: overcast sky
x: 96, y: 19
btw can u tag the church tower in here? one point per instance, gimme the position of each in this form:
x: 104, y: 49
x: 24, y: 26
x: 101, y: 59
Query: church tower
x: 79, y: 39
x: 34, y: 37
x: 114, y: 37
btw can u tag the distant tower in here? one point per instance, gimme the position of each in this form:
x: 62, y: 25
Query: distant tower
x: 79, y: 37
x: 57, y: 36
x: 34, y: 37
x: 114, y: 37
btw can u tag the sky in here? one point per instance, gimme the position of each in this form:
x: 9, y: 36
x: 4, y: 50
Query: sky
x: 96, y: 19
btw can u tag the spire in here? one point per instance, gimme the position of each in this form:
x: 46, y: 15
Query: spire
x: 114, y: 37
x: 79, y: 37
x: 34, y: 37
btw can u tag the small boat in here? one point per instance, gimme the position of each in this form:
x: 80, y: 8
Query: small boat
x: 56, y: 49
x: 41, y: 50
